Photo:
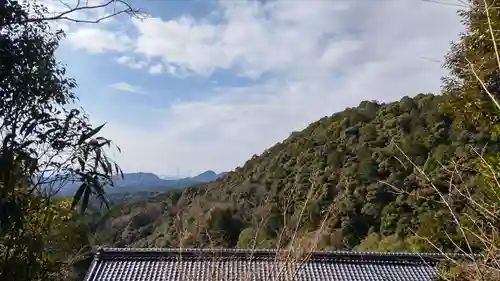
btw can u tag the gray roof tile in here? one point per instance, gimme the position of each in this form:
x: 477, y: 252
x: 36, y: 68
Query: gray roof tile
x: 116, y: 264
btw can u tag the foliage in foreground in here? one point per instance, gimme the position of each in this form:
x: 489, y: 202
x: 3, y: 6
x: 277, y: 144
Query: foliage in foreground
x: 473, y: 86
x: 44, y: 138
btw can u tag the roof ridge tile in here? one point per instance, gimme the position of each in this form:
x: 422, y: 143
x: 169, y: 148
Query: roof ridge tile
x: 270, y: 252
x: 156, y: 264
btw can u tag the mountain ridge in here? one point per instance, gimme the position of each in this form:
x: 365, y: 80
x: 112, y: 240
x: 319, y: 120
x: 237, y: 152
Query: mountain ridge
x: 142, y: 182
x: 347, y: 164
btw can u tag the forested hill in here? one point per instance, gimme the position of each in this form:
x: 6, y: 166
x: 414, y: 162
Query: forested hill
x: 342, y: 180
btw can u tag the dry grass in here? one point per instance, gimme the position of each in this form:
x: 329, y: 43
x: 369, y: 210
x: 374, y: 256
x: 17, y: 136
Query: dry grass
x: 478, y: 266
x: 289, y: 256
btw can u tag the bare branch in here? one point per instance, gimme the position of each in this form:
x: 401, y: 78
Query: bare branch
x: 125, y: 8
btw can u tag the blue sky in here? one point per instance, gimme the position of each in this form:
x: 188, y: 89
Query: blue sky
x: 204, y: 85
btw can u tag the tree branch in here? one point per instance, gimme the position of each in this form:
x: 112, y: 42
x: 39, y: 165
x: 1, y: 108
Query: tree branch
x: 66, y: 15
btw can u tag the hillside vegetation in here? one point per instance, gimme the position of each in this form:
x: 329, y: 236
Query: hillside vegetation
x: 342, y: 180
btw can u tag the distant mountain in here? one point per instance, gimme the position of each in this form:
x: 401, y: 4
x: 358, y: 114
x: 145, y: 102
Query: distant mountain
x: 205, y: 176
x: 169, y: 177
x: 220, y: 175
x: 144, y: 182
x: 136, y: 179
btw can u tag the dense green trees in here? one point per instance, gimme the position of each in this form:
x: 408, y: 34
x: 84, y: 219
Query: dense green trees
x: 343, y: 174
x: 474, y: 66
x: 45, y: 139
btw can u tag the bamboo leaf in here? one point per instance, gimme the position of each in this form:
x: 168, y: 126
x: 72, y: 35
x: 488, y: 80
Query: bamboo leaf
x: 85, y: 200
x: 78, y: 195
x: 88, y: 135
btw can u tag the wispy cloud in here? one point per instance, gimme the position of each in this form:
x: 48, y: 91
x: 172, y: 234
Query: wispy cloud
x: 126, y: 87
x: 98, y: 40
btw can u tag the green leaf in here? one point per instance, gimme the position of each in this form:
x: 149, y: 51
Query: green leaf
x: 101, y: 193
x: 88, y: 135
x: 97, y: 158
x: 104, y: 200
x: 85, y: 201
x: 109, y: 167
x: 104, y: 167
x: 106, y: 142
x: 119, y: 171
x: 97, y: 187
x: 78, y: 194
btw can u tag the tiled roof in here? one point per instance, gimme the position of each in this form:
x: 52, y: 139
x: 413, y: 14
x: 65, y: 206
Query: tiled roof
x: 125, y: 264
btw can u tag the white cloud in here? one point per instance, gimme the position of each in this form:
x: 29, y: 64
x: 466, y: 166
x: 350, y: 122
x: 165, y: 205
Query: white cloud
x: 321, y: 56
x: 126, y: 87
x: 97, y: 40
x: 189, y: 44
x: 132, y: 62
x: 156, y: 69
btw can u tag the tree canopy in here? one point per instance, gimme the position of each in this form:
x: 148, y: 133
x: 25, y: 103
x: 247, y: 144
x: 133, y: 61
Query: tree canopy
x: 344, y: 176
x: 45, y: 139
